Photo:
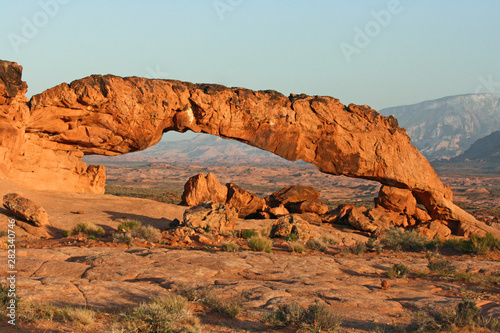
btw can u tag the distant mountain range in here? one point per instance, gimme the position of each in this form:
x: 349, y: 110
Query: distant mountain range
x: 203, y: 149
x: 446, y: 127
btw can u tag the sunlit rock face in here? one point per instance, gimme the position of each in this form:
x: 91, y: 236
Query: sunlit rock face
x: 43, y: 141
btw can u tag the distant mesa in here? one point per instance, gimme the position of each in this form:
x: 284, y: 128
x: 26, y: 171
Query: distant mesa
x: 43, y: 140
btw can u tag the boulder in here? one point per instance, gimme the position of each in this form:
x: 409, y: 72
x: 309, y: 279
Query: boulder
x: 246, y: 202
x: 434, y: 229
x: 387, y: 218
x: 311, y: 218
x: 200, y: 189
x: 396, y: 199
x: 25, y: 209
x: 308, y: 206
x: 291, y: 224
x: 276, y: 212
x: 213, y: 217
x: 358, y: 220
x: 292, y: 194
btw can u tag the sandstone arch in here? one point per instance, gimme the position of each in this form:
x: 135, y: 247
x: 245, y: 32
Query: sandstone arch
x: 111, y: 115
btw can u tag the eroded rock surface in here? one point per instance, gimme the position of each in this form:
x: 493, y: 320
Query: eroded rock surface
x: 214, y: 217
x: 199, y: 189
x: 42, y: 142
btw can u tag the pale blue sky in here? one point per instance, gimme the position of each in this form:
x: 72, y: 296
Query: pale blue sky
x: 427, y: 49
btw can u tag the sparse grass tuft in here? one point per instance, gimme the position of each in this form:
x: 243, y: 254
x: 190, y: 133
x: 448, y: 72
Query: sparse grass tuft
x: 398, y: 271
x: 442, y: 267
x: 147, y: 233
x: 248, y: 233
x: 316, y: 244
x: 409, y: 240
x: 288, y: 314
x: 296, y: 247
x: 292, y: 237
x: 122, y: 238
x: 88, y: 229
x: 358, y: 249
x: 230, y: 247
x: 373, y: 245
x: 260, y: 243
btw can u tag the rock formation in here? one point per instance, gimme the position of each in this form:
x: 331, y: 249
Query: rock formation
x: 214, y: 217
x: 199, y: 189
x: 26, y: 209
x: 42, y: 142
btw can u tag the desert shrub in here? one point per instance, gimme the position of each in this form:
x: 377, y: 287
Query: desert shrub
x: 191, y: 292
x: 230, y: 247
x: 31, y: 312
x: 166, y: 314
x: 373, y: 245
x: 329, y: 240
x: 409, y: 240
x: 292, y: 237
x: 248, y: 233
x: 476, y: 244
x: 288, y: 314
x: 260, y: 243
x: 398, y: 271
x: 122, y: 238
x: 296, y: 247
x: 228, y: 308
x: 88, y: 229
x: 442, y: 267
x: 147, y: 233
x: 66, y: 233
x: 317, y: 317
x: 358, y: 249
x: 438, y: 320
x: 134, y: 229
x: 128, y: 225
x: 316, y: 244
x: 4, y: 297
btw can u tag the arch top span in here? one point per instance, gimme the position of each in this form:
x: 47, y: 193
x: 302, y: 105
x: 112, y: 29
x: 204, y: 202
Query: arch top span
x: 111, y: 115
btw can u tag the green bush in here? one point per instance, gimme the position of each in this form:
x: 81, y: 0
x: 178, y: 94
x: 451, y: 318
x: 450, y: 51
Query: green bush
x: 128, y: 225
x: 398, y: 271
x: 316, y: 244
x: 88, y: 229
x: 296, y: 247
x: 409, y: 240
x: 230, y: 247
x: 260, y: 243
x: 66, y: 233
x: 292, y: 237
x: 442, y: 267
x: 248, y: 233
x: 476, y: 244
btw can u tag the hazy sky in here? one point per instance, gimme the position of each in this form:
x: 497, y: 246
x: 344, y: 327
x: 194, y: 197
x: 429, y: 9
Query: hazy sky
x: 380, y: 53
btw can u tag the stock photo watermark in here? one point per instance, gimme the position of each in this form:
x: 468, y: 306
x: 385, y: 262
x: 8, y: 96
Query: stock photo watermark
x: 224, y: 6
x: 487, y: 85
x: 11, y: 273
x: 32, y: 26
x: 372, y: 29
x: 156, y: 73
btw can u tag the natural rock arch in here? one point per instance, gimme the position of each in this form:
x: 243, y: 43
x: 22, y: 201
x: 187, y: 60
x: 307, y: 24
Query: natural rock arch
x: 110, y: 115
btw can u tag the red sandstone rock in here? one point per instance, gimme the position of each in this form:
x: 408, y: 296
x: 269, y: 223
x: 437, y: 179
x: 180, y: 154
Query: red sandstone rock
x: 308, y: 206
x: 276, y: 211
x: 214, y: 217
x: 397, y: 200
x: 292, y: 194
x: 199, y: 189
x: 246, y: 202
x: 291, y: 224
x: 26, y: 209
